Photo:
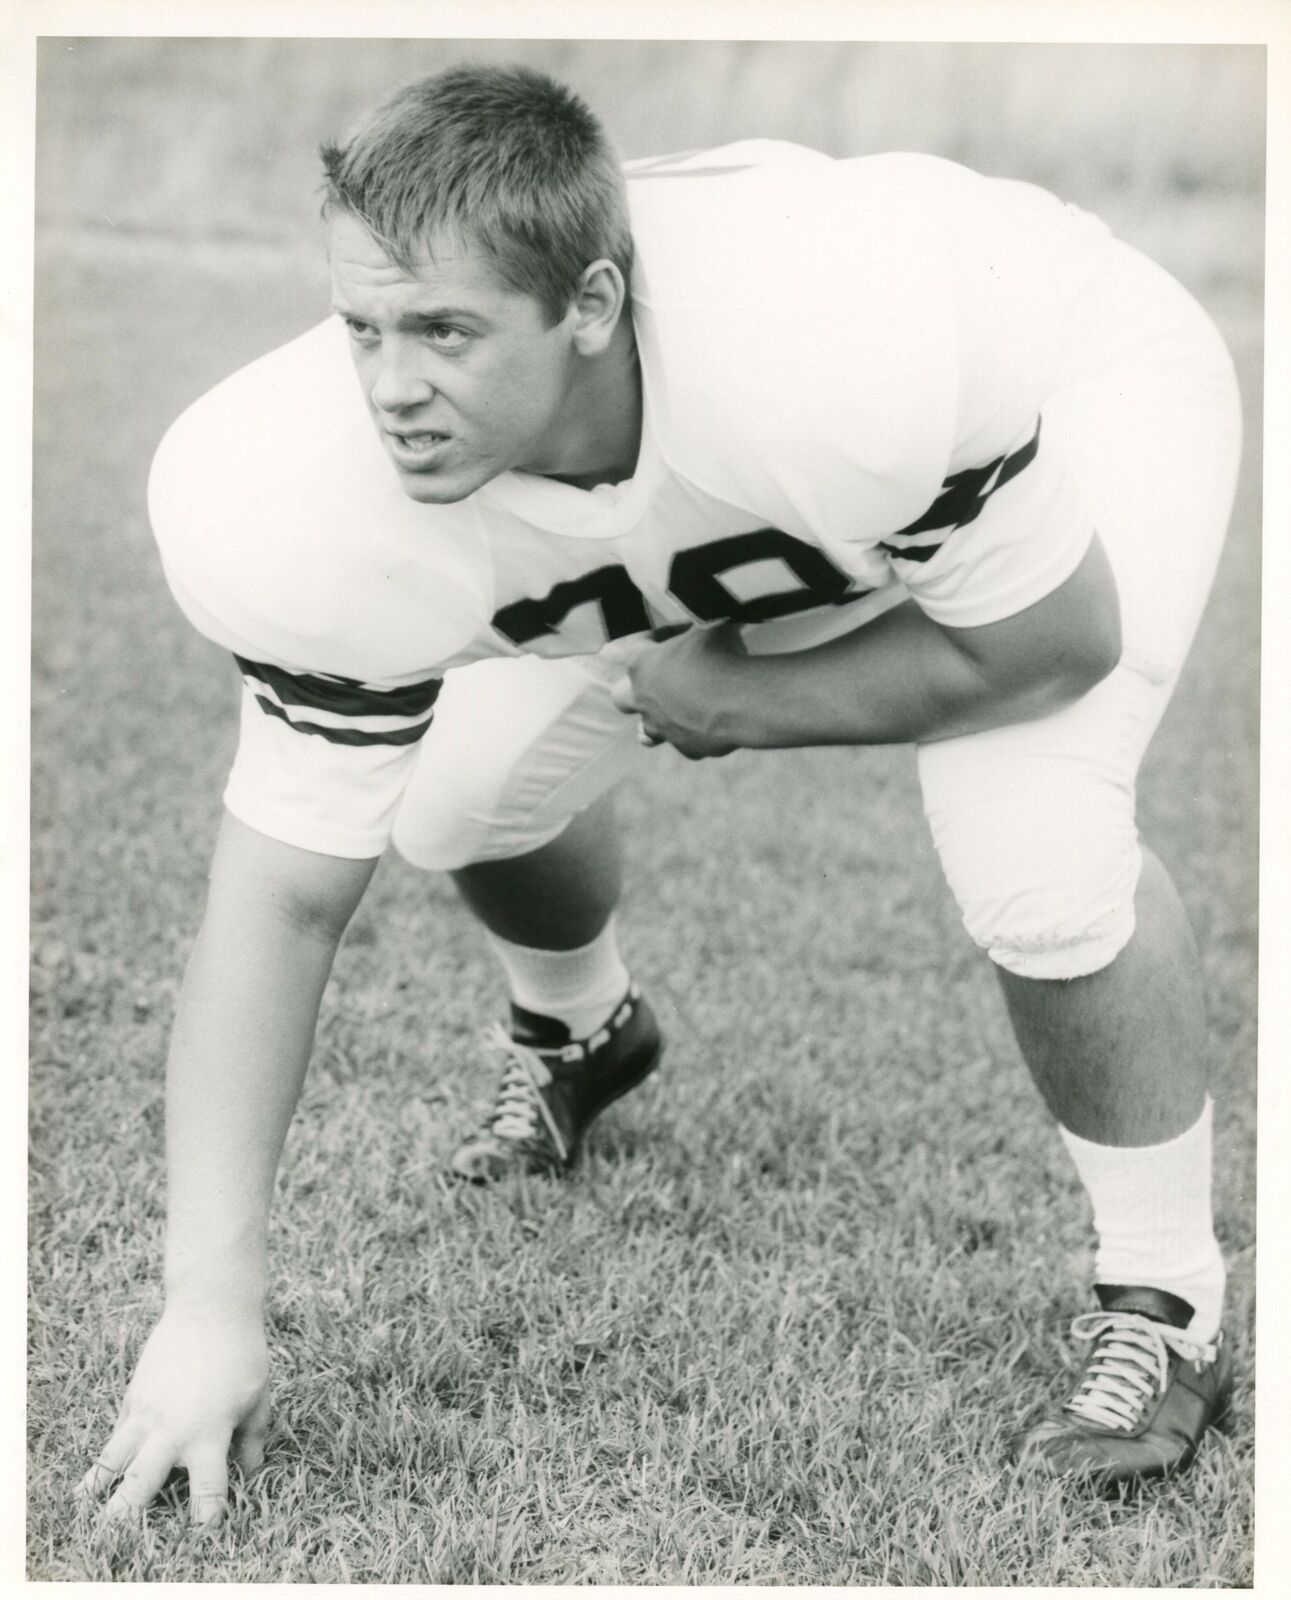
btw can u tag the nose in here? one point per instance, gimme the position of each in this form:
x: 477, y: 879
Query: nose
x: 398, y: 386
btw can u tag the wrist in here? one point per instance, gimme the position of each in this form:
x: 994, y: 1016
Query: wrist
x: 216, y: 1282
x: 739, y: 704
x: 211, y: 1299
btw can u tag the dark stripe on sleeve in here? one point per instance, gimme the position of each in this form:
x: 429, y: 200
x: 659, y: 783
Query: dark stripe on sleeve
x: 350, y: 736
x: 953, y: 505
x: 1012, y: 466
x: 961, y: 500
x: 1024, y: 457
x: 346, y: 697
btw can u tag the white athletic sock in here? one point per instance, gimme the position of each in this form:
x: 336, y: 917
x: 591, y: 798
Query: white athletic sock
x: 579, y: 987
x: 1152, y: 1215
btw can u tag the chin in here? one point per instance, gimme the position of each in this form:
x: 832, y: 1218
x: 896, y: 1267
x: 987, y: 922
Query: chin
x: 431, y: 492
x: 435, y: 489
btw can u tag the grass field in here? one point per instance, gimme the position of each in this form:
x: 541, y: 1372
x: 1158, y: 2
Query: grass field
x: 809, y: 1280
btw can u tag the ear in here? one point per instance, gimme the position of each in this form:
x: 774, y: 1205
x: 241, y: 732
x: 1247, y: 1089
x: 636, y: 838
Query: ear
x: 597, y: 306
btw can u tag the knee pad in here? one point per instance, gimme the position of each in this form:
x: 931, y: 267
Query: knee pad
x: 1053, y: 931
x: 460, y: 822
x: 517, y: 749
x: 1044, y: 872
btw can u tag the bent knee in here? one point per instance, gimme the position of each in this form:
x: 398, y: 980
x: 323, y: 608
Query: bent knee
x: 459, y: 826
x: 1051, y: 944
x: 458, y: 813
x: 1046, y: 901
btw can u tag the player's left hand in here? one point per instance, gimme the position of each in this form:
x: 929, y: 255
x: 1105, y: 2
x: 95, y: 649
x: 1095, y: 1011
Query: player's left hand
x: 681, y: 689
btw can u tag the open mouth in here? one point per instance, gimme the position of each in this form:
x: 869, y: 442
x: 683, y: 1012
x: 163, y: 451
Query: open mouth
x: 421, y: 444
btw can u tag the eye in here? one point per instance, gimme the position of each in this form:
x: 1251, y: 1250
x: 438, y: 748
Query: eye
x: 360, y: 332
x: 445, y: 337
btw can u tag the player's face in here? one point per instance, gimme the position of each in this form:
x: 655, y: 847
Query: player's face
x: 462, y: 375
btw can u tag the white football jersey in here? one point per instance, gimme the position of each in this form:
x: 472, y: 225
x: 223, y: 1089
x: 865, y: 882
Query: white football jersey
x: 844, y: 366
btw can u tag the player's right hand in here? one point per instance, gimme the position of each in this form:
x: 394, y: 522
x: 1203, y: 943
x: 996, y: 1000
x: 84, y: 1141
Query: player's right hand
x: 200, y: 1389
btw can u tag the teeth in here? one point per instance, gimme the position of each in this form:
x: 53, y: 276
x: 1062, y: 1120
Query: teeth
x: 420, y: 441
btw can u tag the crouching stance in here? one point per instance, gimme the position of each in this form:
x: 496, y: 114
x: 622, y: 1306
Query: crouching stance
x: 742, y: 449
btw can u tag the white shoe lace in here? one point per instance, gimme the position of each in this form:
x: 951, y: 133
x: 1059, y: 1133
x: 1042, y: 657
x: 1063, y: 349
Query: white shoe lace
x: 1130, y: 1368
x: 520, y: 1100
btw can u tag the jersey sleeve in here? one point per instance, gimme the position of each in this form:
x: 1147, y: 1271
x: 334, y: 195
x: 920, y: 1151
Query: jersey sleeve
x: 323, y: 762
x: 873, y: 375
x: 286, y: 540
x: 997, y: 538
x: 1009, y: 523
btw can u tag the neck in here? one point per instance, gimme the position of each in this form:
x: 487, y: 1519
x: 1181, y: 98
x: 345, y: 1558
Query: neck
x: 603, y: 438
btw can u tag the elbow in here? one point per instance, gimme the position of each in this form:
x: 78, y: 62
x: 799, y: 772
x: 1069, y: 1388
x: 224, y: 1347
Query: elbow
x: 317, y: 918
x: 1087, y: 661
x: 1053, y: 653
x: 260, y: 882
x: 1080, y: 627
x: 1101, y: 651
x: 1090, y: 646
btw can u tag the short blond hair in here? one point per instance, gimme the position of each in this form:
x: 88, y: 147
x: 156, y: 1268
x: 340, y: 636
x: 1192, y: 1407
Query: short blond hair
x: 504, y: 157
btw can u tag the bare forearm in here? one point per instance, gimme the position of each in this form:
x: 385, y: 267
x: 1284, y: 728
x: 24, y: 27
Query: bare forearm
x: 237, y: 1060
x: 238, y: 1056
x: 899, y: 680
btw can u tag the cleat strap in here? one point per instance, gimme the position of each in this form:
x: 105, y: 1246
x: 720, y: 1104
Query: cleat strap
x: 1159, y: 1304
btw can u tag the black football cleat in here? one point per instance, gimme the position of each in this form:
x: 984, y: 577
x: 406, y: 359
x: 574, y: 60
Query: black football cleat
x: 1147, y: 1395
x: 554, y: 1087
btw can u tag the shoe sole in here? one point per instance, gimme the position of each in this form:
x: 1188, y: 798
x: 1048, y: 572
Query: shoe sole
x: 1109, y: 1484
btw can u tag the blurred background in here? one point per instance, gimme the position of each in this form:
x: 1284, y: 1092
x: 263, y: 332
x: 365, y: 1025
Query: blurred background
x: 214, y: 139
x: 177, y: 238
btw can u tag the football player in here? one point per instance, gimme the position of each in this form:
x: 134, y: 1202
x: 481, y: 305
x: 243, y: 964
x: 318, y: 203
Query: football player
x: 746, y: 448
